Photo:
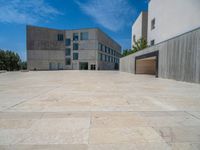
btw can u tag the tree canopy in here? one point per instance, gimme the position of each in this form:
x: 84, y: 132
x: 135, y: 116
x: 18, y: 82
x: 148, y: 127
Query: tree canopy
x: 138, y: 45
x: 10, y: 61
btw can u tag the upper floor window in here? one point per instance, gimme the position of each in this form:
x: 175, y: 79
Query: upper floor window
x: 109, y: 59
x: 111, y: 51
x: 75, y: 37
x: 153, y: 23
x: 100, y: 56
x: 134, y: 38
x: 60, y: 37
x: 75, y: 46
x: 68, y: 61
x: 68, y: 42
x: 68, y: 52
x: 75, y: 56
x: 152, y: 42
x: 84, y: 36
x: 108, y: 50
x: 114, y: 53
x: 105, y: 49
x: 100, y: 47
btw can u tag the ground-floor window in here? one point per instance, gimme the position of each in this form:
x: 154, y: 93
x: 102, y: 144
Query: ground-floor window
x: 93, y: 67
x: 68, y: 61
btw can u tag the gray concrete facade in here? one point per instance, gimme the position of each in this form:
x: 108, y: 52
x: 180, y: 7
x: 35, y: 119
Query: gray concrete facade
x: 179, y: 58
x: 84, y: 49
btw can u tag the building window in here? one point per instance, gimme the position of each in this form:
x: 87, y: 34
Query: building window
x: 100, y: 47
x: 75, y: 56
x: 67, y: 52
x: 93, y: 67
x: 101, y: 57
x: 111, y: 51
x: 68, y: 61
x: 75, y: 46
x: 106, y: 58
x: 152, y: 42
x: 105, y: 49
x: 68, y: 42
x: 75, y: 36
x: 134, y: 38
x: 108, y: 50
x: 153, y: 22
x: 60, y: 37
x: 84, y: 36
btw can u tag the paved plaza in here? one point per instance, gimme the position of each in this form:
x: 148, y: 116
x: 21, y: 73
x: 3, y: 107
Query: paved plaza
x: 107, y: 110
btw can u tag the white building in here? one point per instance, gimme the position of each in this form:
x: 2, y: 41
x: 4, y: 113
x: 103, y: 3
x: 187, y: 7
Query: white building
x: 168, y: 19
x: 139, y: 28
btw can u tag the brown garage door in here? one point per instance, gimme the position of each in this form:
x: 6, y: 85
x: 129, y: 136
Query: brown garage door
x: 147, y: 64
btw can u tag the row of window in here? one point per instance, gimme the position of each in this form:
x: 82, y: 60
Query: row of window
x: 107, y: 58
x: 108, y: 50
x: 83, y: 36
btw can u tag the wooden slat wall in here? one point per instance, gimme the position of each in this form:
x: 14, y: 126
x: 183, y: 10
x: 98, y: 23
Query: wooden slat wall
x: 179, y: 58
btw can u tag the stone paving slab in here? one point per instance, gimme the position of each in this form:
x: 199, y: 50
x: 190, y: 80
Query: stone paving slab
x: 90, y: 110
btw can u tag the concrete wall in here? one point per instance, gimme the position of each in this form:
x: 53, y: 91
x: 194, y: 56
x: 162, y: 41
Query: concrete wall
x: 179, y: 58
x: 107, y: 41
x: 43, y: 48
x: 172, y: 18
x: 139, y: 28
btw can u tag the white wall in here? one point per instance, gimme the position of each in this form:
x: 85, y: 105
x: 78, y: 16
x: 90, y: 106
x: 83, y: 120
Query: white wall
x: 137, y: 29
x: 173, y: 17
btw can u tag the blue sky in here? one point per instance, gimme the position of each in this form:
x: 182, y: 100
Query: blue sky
x: 115, y: 17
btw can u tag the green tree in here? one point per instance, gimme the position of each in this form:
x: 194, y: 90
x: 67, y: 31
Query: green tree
x: 138, y: 45
x: 9, y: 60
x: 23, y: 65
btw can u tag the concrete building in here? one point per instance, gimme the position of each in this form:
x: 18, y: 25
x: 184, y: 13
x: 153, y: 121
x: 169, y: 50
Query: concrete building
x: 84, y: 49
x: 139, y: 28
x: 174, y: 39
x: 166, y: 19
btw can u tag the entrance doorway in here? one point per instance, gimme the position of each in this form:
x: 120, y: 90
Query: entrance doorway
x: 147, y: 64
x: 83, y: 66
x: 93, y: 67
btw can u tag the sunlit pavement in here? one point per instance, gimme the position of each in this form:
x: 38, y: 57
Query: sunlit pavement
x: 84, y: 110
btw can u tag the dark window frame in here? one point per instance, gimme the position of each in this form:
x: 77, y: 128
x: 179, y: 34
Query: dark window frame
x: 83, y: 38
x: 68, y: 42
x: 75, y: 56
x: 76, y: 36
x: 67, y: 61
x: 60, y: 37
x: 68, y: 53
x: 75, y: 46
x: 153, y: 23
